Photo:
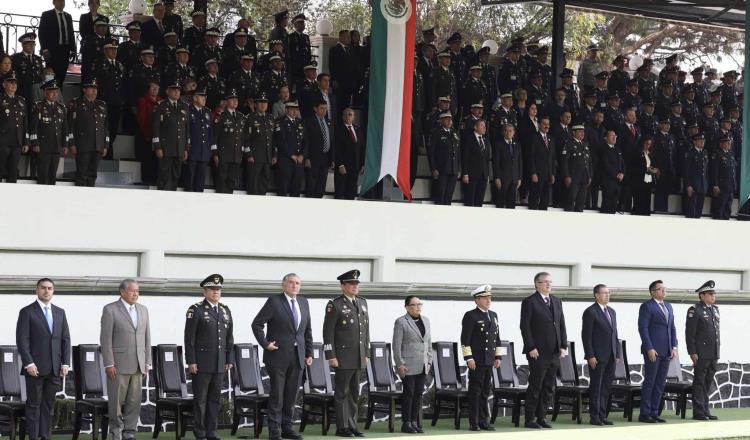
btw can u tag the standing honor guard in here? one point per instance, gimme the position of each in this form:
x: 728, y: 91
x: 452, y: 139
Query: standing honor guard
x: 703, y: 339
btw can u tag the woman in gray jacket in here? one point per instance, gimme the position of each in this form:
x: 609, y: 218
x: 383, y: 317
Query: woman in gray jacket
x: 413, y: 356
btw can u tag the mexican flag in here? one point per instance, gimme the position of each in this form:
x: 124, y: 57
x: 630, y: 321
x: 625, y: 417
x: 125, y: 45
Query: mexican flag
x: 391, y: 78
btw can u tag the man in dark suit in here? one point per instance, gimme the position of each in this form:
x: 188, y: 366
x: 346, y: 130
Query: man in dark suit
x: 506, y: 168
x: 541, y: 166
x: 287, y: 348
x: 57, y: 39
x: 152, y: 31
x: 475, y: 160
x: 601, y: 351
x: 628, y: 141
x: 43, y: 342
x: 545, y: 342
x: 319, y: 141
x: 348, y: 156
x: 659, y: 346
x: 341, y: 65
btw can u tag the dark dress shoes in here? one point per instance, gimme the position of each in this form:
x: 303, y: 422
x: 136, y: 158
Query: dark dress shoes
x: 596, y: 422
x: 607, y: 422
x: 660, y: 420
x: 532, y: 425
x: 486, y: 427
x: 290, y: 435
x: 473, y: 428
x: 407, y: 428
x: 543, y: 423
x: 711, y: 417
x: 700, y: 418
x: 356, y: 433
x: 646, y: 419
x: 344, y: 433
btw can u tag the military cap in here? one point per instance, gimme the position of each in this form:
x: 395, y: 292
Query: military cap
x: 174, y: 85
x: 476, y: 67
x: 197, y: 12
x: 240, y: 33
x: 170, y: 34
x: 272, y: 42
x: 299, y: 17
x: 28, y: 37
x: 455, y: 38
x: 578, y: 127
x: 182, y: 49
x: 444, y: 98
x: 665, y: 83
x: 50, y: 85
x: 90, y: 83
x: 692, y: 125
x: 613, y: 95
x: 274, y: 57
x: 484, y: 50
x: 649, y: 101
x: 291, y: 104
x: 214, y: 280
x: 210, y: 61
x: 200, y: 91
x: 698, y: 136
x: 707, y: 104
x: 681, y: 73
x: 648, y: 61
x: 481, y: 291
x: 688, y: 88
x: 733, y: 107
x: 517, y: 40
x: 532, y: 45
x: 716, y: 92
x: 111, y: 44
x: 444, y: 54
x: 620, y: 58
x: 261, y: 97
x: 429, y: 31
x: 697, y: 71
x: 542, y: 49
x: 730, y: 73
x: 168, y: 2
x: 212, y: 32
x: 675, y: 103
x: 592, y: 47
x: 477, y: 105
x: 311, y: 66
x: 147, y: 51
x: 11, y: 77
x: 133, y: 26
x: 281, y: 15
x: 514, y: 48
x: 602, y: 75
x: 247, y: 56
x: 445, y: 115
x: 633, y: 82
x: 642, y: 68
x: 350, y: 276
x: 708, y: 286
x: 597, y: 109
x: 566, y: 73
x: 231, y: 93
x: 665, y: 120
x: 725, y: 138
x: 671, y: 57
x: 506, y: 95
x: 589, y: 94
x: 726, y: 119
x: 159, y: 3
x: 671, y: 69
x: 100, y: 22
x: 710, y: 71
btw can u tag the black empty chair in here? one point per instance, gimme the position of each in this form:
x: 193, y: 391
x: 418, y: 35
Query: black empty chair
x: 12, y: 391
x: 172, y: 401
x: 383, y: 395
x: 317, y: 399
x: 624, y: 392
x: 569, y: 391
x: 250, y: 400
x: 450, y: 392
x: 677, y: 389
x: 91, y: 390
x: 507, y: 392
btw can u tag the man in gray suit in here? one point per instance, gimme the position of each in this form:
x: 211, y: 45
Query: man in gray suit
x: 287, y: 348
x: 413, y: 356
x: 125, y: 341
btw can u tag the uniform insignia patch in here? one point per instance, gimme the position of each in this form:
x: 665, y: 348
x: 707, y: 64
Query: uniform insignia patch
x: 189, y: 314
x: 329, y: 308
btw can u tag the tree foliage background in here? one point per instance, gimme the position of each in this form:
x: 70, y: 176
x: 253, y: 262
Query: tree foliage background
x: 476, y: 23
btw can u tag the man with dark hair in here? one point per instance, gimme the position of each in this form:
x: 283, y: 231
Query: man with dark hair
x: 14, y: 126
x: 475, y: 159
x: 57, y: 39
x: 601, y: 351
x: 611, y: 172
x: 43, y: 341
x: 545, y: 342
x: 319, y: 141
x: 170, y: 126
x: 703, y: 342
x: 659, y: 346
x: 341, y: 65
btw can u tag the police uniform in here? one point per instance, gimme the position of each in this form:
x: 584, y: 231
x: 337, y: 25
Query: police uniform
x: 724, y: 178
x: 229, y: 138
x: 695, y: 175
x: 576, y: 164
x: 201, y: 144
x: 165, y: 56
x: 289, y: 141
x: 702, y: 338
x: 299, y: 51
x: 209, y: 344
x: 346, y: 338
x: 89, y: 134
x: 279, y: 32
x: 28, y: 68
x: 48, y: 132
x: 260, y: 131
x: 109, y: 76
x: 13, y: 133
x: 480, y: 342
x: 171, y: 134
x: 511, y: 75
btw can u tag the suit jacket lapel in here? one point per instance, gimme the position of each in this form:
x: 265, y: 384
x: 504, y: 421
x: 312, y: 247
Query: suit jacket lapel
x: 412, y: 325
x: 124, y: 310
x: 288, y: 308
x: 40, y: 314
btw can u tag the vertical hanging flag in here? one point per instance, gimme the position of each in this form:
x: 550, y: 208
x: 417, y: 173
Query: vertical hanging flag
x: 390, y: 94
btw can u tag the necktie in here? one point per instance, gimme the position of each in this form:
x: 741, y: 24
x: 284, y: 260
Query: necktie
x: 546, y: 301
x: 324, y: 130
x: 294, y: 314
x: 664, y: 310
x: 546, y: 142
x: 63, y: 28
x: 216, y: 310
x: 351, y: 132
x: 632, y: 129
x: 481, y: 143
x: 510, y: 147
x: 609, y: 317
x: 48, y: 317
x: 133, y: 315
x: 161, y: 28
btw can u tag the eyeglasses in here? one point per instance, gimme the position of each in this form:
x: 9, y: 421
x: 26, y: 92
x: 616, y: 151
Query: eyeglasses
x: 416, y: 305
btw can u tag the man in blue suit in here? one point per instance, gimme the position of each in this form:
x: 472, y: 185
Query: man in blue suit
x: 659, y: 347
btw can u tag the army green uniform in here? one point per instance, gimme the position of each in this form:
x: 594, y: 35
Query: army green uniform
x: 203, y: 53
x: 260, y: 129
x: 702, y: 338
x: 92, y: 50
x: 209, y: 343
x: 229, y: 138
x: 171, y: 134
x: 246, y: 83
x: 13, y: 135
x: 271, y: 82
x: 346, y: 337
x: 29, y: 68
x: 89, y: 134
x: 444, y: 84
x: 48, y: 130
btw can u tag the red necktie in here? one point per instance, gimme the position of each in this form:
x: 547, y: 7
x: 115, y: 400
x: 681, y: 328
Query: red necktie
x: 351, y: 132
x: 546, y: 141
x: 632, y: 129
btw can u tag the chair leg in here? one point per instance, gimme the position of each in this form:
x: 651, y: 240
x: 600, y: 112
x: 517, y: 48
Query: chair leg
x: 178, y: 424
x: 303, y: 419
x: 457, y: 416
x: 391, y: 415
x: 76, y: 425
x: 105, y: 426
x: 493, y: 416
x: 435, y: 410
x: 326, y: 418
x: 157, y: 424
x: 370, y: 413
x: 556, y: 407
x: 256, y: 421
x: 94, y: 426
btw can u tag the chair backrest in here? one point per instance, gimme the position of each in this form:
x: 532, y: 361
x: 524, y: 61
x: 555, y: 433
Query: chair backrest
x: 169, y: 379
x: 88, y: 371
x: 445, y: 365
x: 246, y: 376
x: 675, y: 370
x: 318, y: 374
x: 622, y: 370
x: 12, y: 384
x: 568, y: 371
x: 506, y: 375
x: 380, y: 367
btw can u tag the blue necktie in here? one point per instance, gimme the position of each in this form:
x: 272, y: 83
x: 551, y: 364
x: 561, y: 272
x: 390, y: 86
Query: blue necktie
x: 294, y: 314
x: 48, y: 317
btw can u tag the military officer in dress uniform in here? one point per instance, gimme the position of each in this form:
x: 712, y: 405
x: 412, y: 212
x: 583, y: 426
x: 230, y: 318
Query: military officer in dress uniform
x: 214, y: 85
x: 572, y: 99
x: 209, y: 353
x: 274, y: 78
x: 48, y: 133
x: 279, y: 31
x: 129, y: 52
x: 179, y: 70
x: 28, y: 67
x: 290, y: 152
x: 201, y: 142
x: 701, y: 94
x: 480, y: 343
x: 167, y: 54
x: 171, y: 137
x: 89, y: 134
x: 232, y: 55
x: 193, y: 36
x: 229, y: 138
x: 172, y: 21
x: 141, y: 75
x: 443, y: 81
x: 702, y: 338
x: 209, y: 50
x: 92, y: 48
x: 245, y: 80
x: 695, y: 177
x: 723, y: 178
x: 444, y: 157
x: 512, y: 73
x: 346, y: 339
x: 14, y: 138
x: 259, y: 153
x: 489, y: 76
x: 109, y: 76
x: 474, y: 91
x: 299, y: 51
x: 576, y: 169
